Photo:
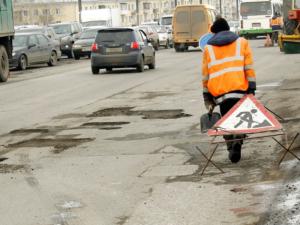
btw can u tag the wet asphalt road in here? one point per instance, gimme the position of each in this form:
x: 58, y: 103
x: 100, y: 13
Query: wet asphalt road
x: 118, y: 147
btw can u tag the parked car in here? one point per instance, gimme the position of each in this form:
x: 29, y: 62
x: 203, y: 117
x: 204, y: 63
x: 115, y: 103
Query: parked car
x: 152, y: 35
x: 68, y: 33
x: 33, y: 48
x: 82, y: 46
x: 47, y: 31
x: 122, y: 47
x: 165, y: 38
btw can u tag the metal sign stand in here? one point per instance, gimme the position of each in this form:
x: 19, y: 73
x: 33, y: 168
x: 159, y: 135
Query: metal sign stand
x: 214, y: 144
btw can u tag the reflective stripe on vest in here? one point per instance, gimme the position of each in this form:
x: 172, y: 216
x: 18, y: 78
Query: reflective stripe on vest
x: 215, y: 61
x: 227, y: 96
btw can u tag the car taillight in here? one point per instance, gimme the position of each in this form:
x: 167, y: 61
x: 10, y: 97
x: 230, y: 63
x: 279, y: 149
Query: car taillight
x: 135, y: 45
x: 94, y: 47
x: 242, y: 24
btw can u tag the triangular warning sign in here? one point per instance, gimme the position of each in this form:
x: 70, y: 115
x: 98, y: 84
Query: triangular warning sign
x: 247, y: 116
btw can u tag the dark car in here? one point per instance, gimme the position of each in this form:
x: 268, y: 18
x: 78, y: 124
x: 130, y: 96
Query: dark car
x: 68, y: 33
x: 151, y: 34
x: 33, y: 48
x: 121, y: 47
x: 82, y: 46
x: 48, y: 31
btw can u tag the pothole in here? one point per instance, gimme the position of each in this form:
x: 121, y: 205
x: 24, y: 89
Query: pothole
x: 105, y: 125
x: 59, y: 144
x: 112, y: 112
x: 70, y: 115
x: 29, y: 131
x: 3, y: 159
x: 146, y: 114
x: 10, y: 168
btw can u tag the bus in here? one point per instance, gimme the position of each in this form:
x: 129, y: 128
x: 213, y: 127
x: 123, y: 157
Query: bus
x: 255, y: 16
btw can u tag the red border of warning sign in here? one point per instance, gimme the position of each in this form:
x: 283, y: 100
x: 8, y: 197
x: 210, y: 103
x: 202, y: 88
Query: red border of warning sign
x: 260, y: 106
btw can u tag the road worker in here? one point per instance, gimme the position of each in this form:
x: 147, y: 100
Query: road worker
x: 227, y: 75
x: 276, y: 24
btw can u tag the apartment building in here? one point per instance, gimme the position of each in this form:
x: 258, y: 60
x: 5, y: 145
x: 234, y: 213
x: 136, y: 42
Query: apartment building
x: 43, y: 12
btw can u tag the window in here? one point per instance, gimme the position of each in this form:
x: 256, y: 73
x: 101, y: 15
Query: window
x: 144, y: 37
x: 36, y: 12
x: 46, y: 12
x: 198, y: 16
x: 3, y: 4
x: 57, y: 11
x: 42, y: 39
x: 32, y: 40
x: 146, y: 5
x: 123, y: 6
x: 25, y: 13
x: 256, y: 8
x: 182, y: 17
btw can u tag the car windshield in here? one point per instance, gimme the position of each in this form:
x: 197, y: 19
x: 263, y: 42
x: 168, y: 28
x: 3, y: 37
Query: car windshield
x: 62, y: 29
x: 94, y: 23
x: 88, y: 34
x: 20, y: 41
x: 166, y: 21
x: 116, y: 36
x: 256, y: 8
x: 30, y: 30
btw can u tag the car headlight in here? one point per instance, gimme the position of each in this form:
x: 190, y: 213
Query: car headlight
x: 76, y: 46
x: 13, y: 54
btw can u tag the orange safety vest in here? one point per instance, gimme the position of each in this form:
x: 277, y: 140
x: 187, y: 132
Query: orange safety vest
x: 276, y: 22
x: 227, y: 68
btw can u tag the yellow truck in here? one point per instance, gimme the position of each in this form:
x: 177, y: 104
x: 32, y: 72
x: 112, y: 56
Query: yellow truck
x: 189, y: 23
x: 289, y: 40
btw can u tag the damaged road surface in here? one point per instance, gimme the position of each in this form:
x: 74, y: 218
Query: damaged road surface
x: 119, y: 148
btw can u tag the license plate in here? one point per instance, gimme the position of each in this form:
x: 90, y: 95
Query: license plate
x: 86, y: 49
x: 256, y: 25
x: 114, y: 50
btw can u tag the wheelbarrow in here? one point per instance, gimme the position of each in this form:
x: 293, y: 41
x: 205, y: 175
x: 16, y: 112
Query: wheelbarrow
x: 209, y: 119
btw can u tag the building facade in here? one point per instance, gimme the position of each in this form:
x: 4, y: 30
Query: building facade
x: 43, y: 12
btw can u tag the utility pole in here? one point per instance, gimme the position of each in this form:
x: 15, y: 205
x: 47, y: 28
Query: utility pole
x: 175, y: 3
x: 220, y: 7
x: 137, y: 12
x: 79, y: 9
x: 237, y: 10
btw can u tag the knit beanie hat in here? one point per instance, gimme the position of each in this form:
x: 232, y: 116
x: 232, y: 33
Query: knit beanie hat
x: 219, y: 25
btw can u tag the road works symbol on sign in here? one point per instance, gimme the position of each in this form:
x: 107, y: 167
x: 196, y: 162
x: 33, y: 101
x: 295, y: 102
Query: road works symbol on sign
x: 247, y: 116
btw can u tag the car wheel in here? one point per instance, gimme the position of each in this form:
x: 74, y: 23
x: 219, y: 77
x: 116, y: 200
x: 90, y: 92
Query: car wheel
x: 167, y: 44
x: 53, y: 59
x: 108, y: 69
x: 22, y: 62
x: 140, y: 67
x: 95, y: 70
x: 4, y: 62
x: 77, y: 57
x: 152, y: 65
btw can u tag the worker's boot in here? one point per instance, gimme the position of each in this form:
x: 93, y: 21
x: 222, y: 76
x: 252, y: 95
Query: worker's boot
x: 229, y: 143
x: 235, y: 152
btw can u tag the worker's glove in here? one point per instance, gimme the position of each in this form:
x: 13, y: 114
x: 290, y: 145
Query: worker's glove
x: 209, y: 102
x: 209, y: 106
x: 251, y: 91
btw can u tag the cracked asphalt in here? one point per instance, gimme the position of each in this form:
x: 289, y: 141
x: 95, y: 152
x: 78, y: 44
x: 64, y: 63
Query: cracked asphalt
x: 119, y: 148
